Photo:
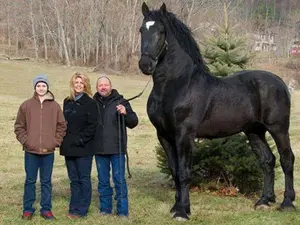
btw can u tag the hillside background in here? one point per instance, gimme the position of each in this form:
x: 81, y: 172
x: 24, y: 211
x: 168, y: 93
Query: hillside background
x: 104, y: 33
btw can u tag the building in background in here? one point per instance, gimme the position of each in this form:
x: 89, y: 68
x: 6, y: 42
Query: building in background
x: 265, y: 41
x: 295, y: 45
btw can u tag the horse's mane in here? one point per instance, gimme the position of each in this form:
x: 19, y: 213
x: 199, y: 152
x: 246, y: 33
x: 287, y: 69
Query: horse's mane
x: 182, y: 34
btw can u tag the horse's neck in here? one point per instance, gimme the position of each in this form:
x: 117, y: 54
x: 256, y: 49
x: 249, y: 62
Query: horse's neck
x: 175, y: 61
x: 175, y: 68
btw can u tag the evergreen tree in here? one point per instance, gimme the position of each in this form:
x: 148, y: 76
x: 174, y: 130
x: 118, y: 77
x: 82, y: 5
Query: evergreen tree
x: 226, y: 53
x: 222, y: 162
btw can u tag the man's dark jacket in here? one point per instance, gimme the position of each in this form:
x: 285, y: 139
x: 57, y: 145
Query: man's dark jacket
x: 81, y: 117
x: 107, y: 133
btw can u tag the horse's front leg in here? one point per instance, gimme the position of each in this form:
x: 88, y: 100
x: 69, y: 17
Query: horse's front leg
x: 184, y: 147
x: 170, y: 149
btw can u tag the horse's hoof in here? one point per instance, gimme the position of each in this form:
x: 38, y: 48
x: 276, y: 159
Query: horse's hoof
x: 172, y: 214
x: 181, y: 219
x: 287, y: 208
x: 181, y: 216
x: 262, y: 207
x: 272, y: 199
x: 173, y: 210
x: 188, y: 211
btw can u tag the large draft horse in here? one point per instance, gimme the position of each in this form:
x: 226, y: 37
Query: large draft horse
x: 186, y: 102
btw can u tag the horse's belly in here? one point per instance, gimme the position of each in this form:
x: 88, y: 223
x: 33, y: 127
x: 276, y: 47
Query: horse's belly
x: 220, y: 128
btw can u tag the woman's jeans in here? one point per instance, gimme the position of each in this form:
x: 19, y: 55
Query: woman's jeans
x: 33, y: 163
x: 104, y: 163
x: 79, y: 172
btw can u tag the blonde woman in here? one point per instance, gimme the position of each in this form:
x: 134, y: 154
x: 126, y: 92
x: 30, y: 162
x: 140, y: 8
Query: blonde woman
x: 80, y: 112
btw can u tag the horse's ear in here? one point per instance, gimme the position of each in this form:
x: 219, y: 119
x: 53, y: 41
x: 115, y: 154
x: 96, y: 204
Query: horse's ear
x: 163, y: 8
x: 145, y: 9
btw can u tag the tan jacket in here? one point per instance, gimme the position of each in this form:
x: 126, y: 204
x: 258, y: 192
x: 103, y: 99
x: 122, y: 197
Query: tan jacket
x: 40, y: 127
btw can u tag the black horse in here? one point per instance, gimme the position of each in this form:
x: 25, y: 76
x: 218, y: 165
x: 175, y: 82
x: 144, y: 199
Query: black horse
x: 186, y: 102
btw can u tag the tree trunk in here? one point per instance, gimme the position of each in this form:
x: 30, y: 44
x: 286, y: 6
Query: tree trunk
x: 116, y: 61
x: 75, y: 43
x: 17, y: 41
x: 132, y: 28
x: 62, y: 35
x: 33, y: 31
x: 97, y: 51
x: 45, y: 42
x: 59, y: 42
x: 44, y: 32
x: 8, y: 28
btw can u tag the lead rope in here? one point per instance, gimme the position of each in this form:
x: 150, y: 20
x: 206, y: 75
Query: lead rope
x: 123, y: 128
x: 120, y: 152
x: 121, y: 123
x: 125, y: 148
x: 138, y: 95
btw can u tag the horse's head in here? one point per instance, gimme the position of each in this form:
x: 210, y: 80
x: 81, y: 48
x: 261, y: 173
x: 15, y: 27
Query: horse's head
x: 153, y: 40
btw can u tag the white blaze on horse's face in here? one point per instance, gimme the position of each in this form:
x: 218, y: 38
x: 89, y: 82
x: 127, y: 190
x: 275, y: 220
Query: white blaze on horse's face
x: 149, y: 24
x: 153, y: 37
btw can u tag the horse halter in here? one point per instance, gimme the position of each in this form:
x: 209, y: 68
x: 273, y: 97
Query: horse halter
x: 163, y: 48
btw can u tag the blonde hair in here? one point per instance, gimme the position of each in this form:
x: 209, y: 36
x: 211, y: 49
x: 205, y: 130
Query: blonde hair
x: 86, y: 83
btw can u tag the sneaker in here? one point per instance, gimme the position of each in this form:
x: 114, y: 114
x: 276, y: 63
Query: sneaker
x: 27, y: 215
x: 48, y: 215
x: 122, y: 215
x: 105, y: 213
x: 73, y: 216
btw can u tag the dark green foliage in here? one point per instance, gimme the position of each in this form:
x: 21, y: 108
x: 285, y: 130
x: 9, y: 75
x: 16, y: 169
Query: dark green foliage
x: 227, y: 161
x: 225, y: 52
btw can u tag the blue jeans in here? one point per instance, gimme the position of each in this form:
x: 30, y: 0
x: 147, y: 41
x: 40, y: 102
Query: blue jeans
x: 117, y: 162
x: 79, y: 172
x: 33, y: 163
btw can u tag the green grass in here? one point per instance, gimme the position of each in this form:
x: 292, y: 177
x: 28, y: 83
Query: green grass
x: 149, y: 192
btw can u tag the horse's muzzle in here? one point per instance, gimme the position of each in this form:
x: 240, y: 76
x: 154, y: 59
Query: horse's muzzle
x: 147, y: 65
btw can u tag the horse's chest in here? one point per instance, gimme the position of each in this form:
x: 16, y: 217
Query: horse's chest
x: 159, y: 114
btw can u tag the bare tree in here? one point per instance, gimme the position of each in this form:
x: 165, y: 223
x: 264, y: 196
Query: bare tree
x: 35, y: 44
x: 105, y: 32
x: 61, y: 30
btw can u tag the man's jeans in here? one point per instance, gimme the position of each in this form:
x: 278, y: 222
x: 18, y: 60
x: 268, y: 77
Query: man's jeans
x: 33, y: 163
x: 117, y: 163
x: 79, y: 171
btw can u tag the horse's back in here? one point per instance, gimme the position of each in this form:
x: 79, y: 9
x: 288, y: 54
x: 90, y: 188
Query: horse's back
x: 263, y: 78
x: 243, y: 99
x: 269, y: 86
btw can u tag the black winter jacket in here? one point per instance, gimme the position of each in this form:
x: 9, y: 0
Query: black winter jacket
x: 107, y: 133
x: 81, y: 117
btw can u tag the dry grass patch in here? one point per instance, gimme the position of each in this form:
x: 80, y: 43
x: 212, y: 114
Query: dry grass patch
x: 149, y: 193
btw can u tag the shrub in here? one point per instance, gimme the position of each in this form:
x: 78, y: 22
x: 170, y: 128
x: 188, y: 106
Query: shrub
x: 225, y: 161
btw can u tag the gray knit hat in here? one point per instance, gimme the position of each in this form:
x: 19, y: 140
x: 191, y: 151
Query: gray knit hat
x: 40, y: 78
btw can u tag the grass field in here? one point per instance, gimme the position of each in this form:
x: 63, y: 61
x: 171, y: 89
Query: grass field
x: 150, y: 196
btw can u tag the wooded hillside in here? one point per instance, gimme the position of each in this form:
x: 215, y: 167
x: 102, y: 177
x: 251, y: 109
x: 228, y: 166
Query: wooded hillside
x: 104, y: 33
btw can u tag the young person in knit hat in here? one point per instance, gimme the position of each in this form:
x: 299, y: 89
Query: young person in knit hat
x: 40, y: 127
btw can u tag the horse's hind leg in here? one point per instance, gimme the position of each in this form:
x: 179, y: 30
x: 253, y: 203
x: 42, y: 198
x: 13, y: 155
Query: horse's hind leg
x: 266, y: 159
x: 287, y: 159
